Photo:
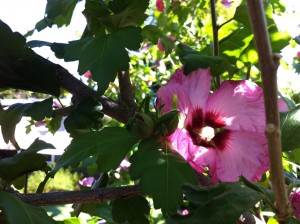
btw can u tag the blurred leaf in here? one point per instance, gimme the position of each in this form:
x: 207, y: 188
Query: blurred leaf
x: 57, y: 12
x: 72, y: 220
x: 10, y: 117
x: 290, y: 130
x: 86, y: 117
x: 16, y: 211
x: 297, y: 39
x: 134, y: 210
x: 161, y: 173
x: 297, y: 67
x: 220, y: 204
x: 24, y: 162
x: 292, y: 220
x: 22, y: 68
x: 111, y: 145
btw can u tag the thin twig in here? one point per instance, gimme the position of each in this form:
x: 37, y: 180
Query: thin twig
x: 269, y: 65
x: 71, y: 197
x: 215, y: 34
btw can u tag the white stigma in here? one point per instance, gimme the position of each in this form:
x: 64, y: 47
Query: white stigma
x: 207, y: 133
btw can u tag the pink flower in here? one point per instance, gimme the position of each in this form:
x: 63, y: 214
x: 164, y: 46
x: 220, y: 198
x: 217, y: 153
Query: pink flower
x: 88, y: 74
x: 226, y: 3
x: 295, y: 202
x: 222, y: 133
x: 298, y: 54
x: 87, y: 181
x: 159, y: 43
x: 160, y: 5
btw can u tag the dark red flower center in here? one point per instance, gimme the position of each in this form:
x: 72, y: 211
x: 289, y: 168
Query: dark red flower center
x: 207, y: 129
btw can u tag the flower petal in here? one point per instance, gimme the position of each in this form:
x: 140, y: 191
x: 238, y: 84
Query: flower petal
x: 182, y: 143
x: 192, y: 91
x: 246, y: 154
x: 239, y: 105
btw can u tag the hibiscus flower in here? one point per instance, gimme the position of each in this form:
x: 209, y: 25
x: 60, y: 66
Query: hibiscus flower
x: 295, y: 202
x: 226, y: 3
x: 221, y: 133
x: 160, y: 5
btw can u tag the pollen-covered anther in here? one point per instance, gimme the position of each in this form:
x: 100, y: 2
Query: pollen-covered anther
x: 207, y: 133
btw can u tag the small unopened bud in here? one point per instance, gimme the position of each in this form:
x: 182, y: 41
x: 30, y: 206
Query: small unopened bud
x: 141, y: 125
x: 168, y: 122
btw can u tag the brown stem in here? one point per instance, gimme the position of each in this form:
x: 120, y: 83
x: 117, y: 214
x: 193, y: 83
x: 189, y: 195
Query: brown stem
x: 79, y: 90
x: 71, y: 197
x: 215, y: 33
x: 126, y: 92
x: 269, y: 65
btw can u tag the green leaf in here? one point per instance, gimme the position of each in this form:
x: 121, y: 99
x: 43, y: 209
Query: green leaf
x: 54, y: 124
x: 110, y: 145
x: 10, y: 117
x: 12, y: 43
x: 22, y: 68
x: 290, y: 129
x: 292, y: 220
x: 102, y: 210
x: 161, y: 173
x: 267, y: 194
x: 219, y: 204
x: 134, y: 210
x: 26, y: 214
x: 153, y: 34
x: 57, y: 12
x: 87, y: 116
x: 297, y: 39
x: 104, y: 56
x: 193, y: 60
x: 93, y: 10
x: 126, y: 13
x: 24, y: 162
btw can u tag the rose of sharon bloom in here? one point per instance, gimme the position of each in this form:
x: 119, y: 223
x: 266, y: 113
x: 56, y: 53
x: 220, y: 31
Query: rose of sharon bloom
x: 222, y: 132
x: 226, y: 3
x: 295, y: 202
x: 87, y: 181
x: 160, y: 5
x: 298, y: 54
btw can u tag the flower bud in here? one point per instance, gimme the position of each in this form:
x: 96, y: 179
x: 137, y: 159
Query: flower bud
x: 168, y: 122
x: 141, y: 125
